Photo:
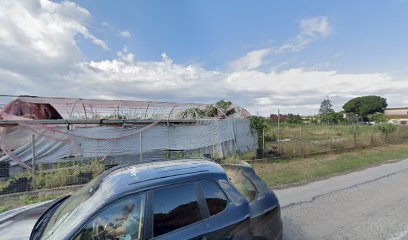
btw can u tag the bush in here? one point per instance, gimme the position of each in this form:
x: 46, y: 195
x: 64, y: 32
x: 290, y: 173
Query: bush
x: 259, y: 124
x: 332, y: 118
x: 377, y: 118
x: 386, y: 128
x: 294, y: 118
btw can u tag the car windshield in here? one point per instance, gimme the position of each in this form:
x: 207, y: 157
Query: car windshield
x: 72, y: 210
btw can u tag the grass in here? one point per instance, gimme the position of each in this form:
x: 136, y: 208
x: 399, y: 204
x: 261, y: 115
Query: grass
x: 297, y: 171
x: 26, y: 200
x: 308, y: 139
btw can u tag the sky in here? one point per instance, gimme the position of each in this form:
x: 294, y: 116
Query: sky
x: 262, y: 55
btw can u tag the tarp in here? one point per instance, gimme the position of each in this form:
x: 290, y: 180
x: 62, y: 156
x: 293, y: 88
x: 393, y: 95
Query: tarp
x: 77, y: 108
x: 52, y: 144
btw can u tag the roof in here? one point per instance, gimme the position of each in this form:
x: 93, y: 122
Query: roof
x: 31, y: 107
x: 150, y: 173
x: 397, y: 108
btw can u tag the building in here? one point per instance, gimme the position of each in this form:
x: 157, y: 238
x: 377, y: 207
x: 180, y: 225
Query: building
x: 352, y: 117
x: 397, y: 115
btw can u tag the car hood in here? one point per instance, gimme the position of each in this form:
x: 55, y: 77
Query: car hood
x: 18, y: 223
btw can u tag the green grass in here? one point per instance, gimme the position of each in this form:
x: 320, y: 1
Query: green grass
x: 298, y: 171
x: 308, y: 139
x: 26, y: 200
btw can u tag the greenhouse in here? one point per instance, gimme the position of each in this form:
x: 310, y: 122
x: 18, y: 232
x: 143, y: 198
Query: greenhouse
x: 51, y: 130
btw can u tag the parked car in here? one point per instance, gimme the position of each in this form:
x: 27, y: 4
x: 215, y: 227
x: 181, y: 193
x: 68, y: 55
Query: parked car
x: 180, y: 199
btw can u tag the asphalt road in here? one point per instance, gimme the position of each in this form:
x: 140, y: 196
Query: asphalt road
x: 369, y: 204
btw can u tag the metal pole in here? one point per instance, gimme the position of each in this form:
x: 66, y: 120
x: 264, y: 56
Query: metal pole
x: 355, y: 135
x: 212, y: 137
x: 301, y: 144
x: 140, y: 146
x: 33, y: 160
x: 263, y: 139
x: 278, y: 132
x: 331, y: 136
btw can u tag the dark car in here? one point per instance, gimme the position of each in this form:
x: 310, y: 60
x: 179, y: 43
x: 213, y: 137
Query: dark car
x: 179, y: 199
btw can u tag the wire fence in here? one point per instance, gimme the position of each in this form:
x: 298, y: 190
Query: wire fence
x: 303, y: 140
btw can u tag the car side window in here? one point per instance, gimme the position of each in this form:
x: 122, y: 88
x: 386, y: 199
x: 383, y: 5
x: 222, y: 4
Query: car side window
x: 121, y: 220
x: 214, y: 196
x: 242, y: 184
x: 174, y: 207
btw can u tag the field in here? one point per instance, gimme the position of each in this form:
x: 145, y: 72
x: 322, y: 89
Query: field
x: 309, y: 152
x: 283, y: 173
x: 305, y: 140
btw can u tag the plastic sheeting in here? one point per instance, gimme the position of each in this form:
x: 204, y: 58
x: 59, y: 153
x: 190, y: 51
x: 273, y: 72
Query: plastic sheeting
x: 76, y: 108
x: 220, y: 138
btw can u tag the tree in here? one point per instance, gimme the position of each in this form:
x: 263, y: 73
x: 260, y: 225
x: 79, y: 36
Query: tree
x: 326, y: 107
x: 209, y: 111
x: 365, y: 105
x: 332, y: 118
x: 377, y: 118
x: 386, y: 128
x: 294, y: 118
x: 259, y: 124
x: 223, y: 105
x: 281, y: 117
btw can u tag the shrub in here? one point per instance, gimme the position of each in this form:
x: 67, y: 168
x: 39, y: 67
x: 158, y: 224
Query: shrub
x: 386, y: 128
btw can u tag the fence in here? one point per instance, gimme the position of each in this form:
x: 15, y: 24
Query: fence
x: 308, y: 139
x: 47, y: 156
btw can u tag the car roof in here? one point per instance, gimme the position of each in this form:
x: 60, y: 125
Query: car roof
x: 145, y: 174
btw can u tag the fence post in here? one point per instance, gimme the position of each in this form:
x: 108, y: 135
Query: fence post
x: 140, y: 146
x: 278, y: 132
x: 331, y: 137
x: 212, y: 141
x: 355, y: 135
x: 301, y: 143
x: 263, y: 139
x: 33, y: 160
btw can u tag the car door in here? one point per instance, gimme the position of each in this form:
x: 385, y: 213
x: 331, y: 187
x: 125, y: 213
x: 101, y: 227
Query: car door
x: 264, y: 205
x: 227, y: 219
x: 176, y: 213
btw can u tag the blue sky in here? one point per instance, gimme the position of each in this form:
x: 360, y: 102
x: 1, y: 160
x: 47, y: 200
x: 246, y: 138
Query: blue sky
x: 263, y: 55
x: 367, y: 35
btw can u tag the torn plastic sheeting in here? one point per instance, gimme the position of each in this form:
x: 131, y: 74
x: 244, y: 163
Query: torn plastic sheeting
x: 228, y: 136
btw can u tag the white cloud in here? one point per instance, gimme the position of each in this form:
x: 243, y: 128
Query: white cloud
x: 126, y: 56
x: 315, y: 26
x: 42, y: 33
x: 40, y: 56
x: 310, y: 29
x: 251, y: 60
x: 125, y: 34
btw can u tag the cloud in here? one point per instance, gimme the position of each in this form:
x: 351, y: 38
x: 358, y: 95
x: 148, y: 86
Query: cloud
x: 310, y: 30
x: 315, y: 26
x: 125, y: 34
x: 251, y: 60
x: 40, y: 56
x: 42, y: 33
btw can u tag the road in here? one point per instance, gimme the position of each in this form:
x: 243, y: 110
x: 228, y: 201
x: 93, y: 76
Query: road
x: 369, y: 204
